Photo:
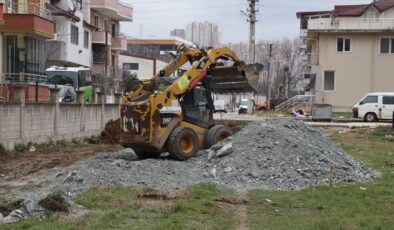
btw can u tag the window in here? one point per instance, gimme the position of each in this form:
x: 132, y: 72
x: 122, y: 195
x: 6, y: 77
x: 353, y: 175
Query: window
x: 387, y: 45
x: 329, y: 81
x: 98, y: 53
x: 388, y: 100
x: 113, y: 30
x: 370, y: 100
x: 371, y: 15
x: 86, y: 40
x: 74, y: 35
x: 96, y: 21
x: 131, y: 66
x: 344, y: 44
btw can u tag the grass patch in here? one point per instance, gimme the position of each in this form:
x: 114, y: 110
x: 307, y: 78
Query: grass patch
x: 356, y: 206
x: 123, y: 208
x: 205, y: 206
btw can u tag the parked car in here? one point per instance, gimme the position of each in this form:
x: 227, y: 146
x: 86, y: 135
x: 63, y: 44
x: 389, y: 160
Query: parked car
x: 220, y: 106
x: 375, y: 106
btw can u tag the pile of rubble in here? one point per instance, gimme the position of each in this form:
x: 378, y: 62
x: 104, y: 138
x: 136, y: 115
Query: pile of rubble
x: 272, y: 155
x: 111, y: 133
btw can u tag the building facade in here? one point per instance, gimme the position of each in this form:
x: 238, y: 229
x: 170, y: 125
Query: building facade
x: 349, y: 51
x: 72, y: 44
x: 25, y: 27
x: 105, y: 16
x: 144, y: 68
x: 180, y: 33
x: 155, y: 48
x: 204, y: 34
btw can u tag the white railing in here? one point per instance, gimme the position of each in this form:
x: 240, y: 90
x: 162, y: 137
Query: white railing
x: 23, y: 78
x: 295, y: 101
x: 27, y: 8
x: 313, y: 58
x: 351, y: 24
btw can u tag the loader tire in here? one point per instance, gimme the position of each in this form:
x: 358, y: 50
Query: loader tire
x: 217, y: 134
x: 183, y: 143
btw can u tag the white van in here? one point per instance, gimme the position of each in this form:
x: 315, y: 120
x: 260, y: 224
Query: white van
x: 220, y: 106
x: 375, y: 106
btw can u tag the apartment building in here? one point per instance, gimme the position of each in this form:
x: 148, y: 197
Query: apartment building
x: 72, y: 44
x: 155, y: 48
x: 180, y: 33
x: 105, y: 16
x: 349, y: 51
x: 204, y: 34
x: 24, y: 28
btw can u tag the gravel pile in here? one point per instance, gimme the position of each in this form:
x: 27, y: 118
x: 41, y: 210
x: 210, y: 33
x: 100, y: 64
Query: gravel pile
x: 273, y: 155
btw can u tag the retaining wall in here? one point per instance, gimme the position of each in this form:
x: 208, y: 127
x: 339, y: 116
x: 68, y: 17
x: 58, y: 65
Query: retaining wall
x: 21, y: 122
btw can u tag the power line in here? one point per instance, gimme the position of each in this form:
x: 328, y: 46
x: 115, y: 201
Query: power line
x: 194, y: 9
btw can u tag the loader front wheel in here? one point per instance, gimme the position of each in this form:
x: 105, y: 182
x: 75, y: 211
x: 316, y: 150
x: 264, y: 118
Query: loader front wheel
x: 183, y: 143
x: 216, y: 134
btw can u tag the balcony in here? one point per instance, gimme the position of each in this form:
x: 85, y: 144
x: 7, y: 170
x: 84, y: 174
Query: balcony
x: 312, y: 59
x: 98, y: 37
x: 119, y: 43
x: 57, y: 51
x: 303, y: 33
x: 357, y: 25
x: 28, y: 18
x: 1, y: 14
x: 113, y: 9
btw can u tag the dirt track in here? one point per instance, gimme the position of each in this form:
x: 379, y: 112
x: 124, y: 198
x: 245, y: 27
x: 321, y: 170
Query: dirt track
x: 18, y: 165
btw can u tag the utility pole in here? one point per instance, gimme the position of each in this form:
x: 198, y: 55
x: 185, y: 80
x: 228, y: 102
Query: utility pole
x: 106, y: 61
x: 269, y: 74
x: 252, y: 30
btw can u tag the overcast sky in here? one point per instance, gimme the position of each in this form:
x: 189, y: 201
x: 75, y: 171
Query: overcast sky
x: 277, y: 18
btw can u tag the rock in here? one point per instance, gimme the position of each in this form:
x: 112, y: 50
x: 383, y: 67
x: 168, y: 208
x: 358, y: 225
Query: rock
x: 225, y: 149
x: 228, y: 169
x: 32, y: 148
x: 1, y: 218
x: 13, y: 217
x: 71, y: 176
x: 257, y: 173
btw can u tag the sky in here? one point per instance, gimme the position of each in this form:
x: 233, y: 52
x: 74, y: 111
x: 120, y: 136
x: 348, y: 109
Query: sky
x: 277, y: 18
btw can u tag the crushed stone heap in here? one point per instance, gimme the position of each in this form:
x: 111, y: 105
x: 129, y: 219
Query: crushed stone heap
x: 284, y: 155
x: 271, y: 155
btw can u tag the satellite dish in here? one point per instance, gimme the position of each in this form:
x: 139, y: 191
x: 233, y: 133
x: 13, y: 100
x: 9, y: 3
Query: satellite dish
x: 75, y: 5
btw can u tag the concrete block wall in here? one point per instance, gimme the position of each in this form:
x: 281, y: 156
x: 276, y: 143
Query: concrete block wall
x: 9, y: 122
x: 21, y: 123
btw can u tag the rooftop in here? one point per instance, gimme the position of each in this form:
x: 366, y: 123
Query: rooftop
x: 351, y: 10
x: 158, y: 40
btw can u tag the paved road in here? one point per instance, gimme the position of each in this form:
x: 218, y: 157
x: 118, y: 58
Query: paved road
x: 244, y: 117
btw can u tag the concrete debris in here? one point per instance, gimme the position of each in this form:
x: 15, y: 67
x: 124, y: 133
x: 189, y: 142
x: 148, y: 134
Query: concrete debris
x: 32, y: 148
x: 13, y: 217
x: 272, y: 155
x: 220, y: 150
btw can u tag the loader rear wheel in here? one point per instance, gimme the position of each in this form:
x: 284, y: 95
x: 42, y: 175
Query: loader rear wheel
x: 216, y: 134
x: 183, y: 143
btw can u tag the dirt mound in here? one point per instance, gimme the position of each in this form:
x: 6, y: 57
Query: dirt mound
x: 111, y: 133
x: 54, y: 202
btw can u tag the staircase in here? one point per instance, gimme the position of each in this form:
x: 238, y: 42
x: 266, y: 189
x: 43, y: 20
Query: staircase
x: 295, y: 102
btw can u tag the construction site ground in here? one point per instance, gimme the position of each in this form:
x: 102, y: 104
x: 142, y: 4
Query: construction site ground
x: 206, y: 206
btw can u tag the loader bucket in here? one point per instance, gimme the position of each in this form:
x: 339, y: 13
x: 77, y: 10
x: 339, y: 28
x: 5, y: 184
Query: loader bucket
x: 239, y: 78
